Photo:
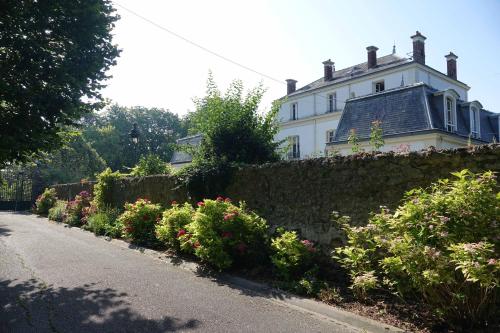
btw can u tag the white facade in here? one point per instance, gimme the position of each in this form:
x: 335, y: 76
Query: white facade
x: 313, y: 118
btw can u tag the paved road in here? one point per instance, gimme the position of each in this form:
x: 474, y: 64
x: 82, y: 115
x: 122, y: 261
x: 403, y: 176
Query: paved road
x: 59, y: 279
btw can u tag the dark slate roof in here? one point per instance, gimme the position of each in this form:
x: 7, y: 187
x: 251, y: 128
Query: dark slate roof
x: 383, y: 63
x: 408, y: 110
x: 182, y: 157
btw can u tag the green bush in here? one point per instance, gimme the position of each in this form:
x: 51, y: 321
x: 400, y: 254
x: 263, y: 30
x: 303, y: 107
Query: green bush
x: 58, y: 212
x: 174, y: 220
x: 104, y: 222
x: 223, y: 234
x: 45, y: 201
x: 78, y: 209
x: 291, y: 256
x: 151, y: 165
x: 104, y: 186
x: 442, y: 245
x: 139, y: 220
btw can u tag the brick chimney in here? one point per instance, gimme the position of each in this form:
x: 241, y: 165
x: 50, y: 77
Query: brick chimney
x: 372, y: 56
x: 290, y: 86
x: 328, y: 68
x: 419, y: 47
x: 451, y: 65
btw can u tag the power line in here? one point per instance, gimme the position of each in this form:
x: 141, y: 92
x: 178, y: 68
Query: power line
x: 198, y: 45
x: 208, y: 50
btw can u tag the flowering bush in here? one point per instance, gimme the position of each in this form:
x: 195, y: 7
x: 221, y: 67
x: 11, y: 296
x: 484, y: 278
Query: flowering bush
x: 45, y: 201
x: 78, y: 209
x: 223, y: 234
x: 139, y: 220
x: 441, y: 244
x: 104, y: 222
x: 58, y: 212
x: 173, y: 224
x: 291, y: 256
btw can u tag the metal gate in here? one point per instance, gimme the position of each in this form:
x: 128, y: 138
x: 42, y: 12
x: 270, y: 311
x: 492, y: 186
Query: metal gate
x: 16, y: 189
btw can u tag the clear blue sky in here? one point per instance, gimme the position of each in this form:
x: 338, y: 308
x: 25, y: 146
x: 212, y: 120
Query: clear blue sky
x: 290, y: 39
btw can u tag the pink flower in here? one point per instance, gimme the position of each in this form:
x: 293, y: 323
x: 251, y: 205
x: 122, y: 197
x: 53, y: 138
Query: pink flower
x: 219, y: 198
x: 174, y: 203
x: 492, y: 261
x: 309, y: 245
x: 201, y: 204
x: 228, y: 216
x: 196, y: 245
x: 181, y: 232
x: 227, y: 200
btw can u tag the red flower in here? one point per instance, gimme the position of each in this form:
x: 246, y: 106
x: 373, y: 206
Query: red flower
x: 181, y: 232
x: 219, y: 198
x: 227, y: 234
x: 196, y: 245
x: 129, y: 229
x: 241, y: 247
x: 201, y: 204
x: 228, y: 216
x: 227, y: 200
x: 309, y: 245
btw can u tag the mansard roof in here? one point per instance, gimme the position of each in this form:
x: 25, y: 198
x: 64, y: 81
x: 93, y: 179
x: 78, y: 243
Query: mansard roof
x: 408, y: 110
x: 383, y: 63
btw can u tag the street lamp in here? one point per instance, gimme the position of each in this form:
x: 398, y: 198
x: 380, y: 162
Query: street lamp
x: 134, y: 134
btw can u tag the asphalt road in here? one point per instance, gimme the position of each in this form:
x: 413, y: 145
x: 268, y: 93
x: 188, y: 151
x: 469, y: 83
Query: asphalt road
x: 59, y: 279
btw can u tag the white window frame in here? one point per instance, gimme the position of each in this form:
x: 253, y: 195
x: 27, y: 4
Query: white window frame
x: 294, y: 111
x: 332, y: 102
x: 376, y: 83
x: 330, y: 135
x: 450, y: 115
x: 475, y: 119
x: 294, y: 147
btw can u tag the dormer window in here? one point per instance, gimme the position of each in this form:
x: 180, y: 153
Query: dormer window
x: 474, y: 122
x: 332, y: 102
x: 450, y: 115
x: 330, y: 136
x: 379, y: 86
x: 294, y: 111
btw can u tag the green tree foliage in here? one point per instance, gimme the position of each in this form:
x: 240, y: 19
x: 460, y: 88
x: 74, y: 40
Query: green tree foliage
x: 151, y: 165
x: 377, y: 135
x: 109, y: 132
x: 353, y: 140
x: 76, y: 160
x: 233, y: 128
x: 53, y: 61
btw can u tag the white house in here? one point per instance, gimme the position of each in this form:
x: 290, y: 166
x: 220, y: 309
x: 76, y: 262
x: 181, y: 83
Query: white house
x: 416, y: 105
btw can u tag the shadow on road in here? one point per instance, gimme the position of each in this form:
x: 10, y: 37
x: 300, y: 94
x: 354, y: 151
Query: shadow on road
x: 33, y: 306
x: 4, y: 231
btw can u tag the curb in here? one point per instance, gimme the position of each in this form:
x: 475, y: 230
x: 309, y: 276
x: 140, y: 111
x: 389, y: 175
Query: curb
x: 321, y: 310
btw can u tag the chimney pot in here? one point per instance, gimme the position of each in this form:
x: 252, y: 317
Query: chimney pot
x: 419, y: 47
x: 328, y: 69
x: 372, y: 56
x: 290, y: 86
x: 451, y: 65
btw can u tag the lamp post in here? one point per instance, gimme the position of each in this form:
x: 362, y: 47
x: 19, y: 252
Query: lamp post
x: 134, y: 134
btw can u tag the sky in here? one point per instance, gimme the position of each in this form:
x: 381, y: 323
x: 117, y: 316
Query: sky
x: 290, y: 39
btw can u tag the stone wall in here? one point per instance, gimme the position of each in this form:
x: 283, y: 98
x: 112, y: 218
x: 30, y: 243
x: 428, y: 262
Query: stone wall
x: 68, y: 191
x: 301, y: 195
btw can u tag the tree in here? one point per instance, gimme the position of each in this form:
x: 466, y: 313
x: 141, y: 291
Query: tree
x: 233, y: 129
x: 76, y: 160
x: 151, y: 165
x: 109, y: 132
x: 53, y: 61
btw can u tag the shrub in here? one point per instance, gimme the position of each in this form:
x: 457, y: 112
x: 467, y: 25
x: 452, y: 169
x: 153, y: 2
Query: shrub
x: 330, y: 295
x: 138, y: 221
x: 223, y: 234
x: 104, y: 222
x: 442, y: 244
x: 45, y: 201
x: 104, y: 186
x: 291, y: 256
x: 151, y: 165
x: 77, y: 209
x: 174, y: 220
x: 57, y: 212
